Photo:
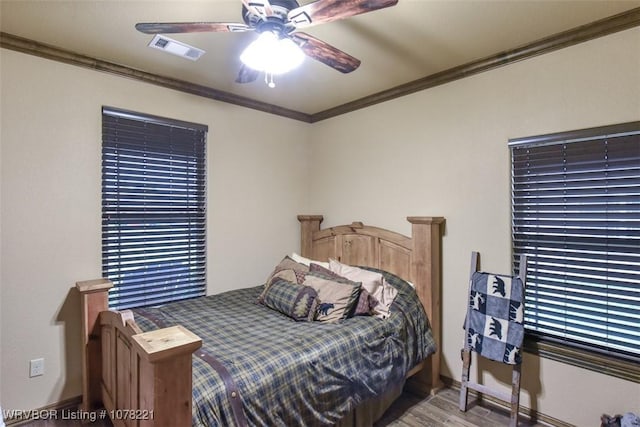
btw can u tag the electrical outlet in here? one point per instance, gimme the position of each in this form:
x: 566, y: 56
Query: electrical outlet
x: 36, y: 367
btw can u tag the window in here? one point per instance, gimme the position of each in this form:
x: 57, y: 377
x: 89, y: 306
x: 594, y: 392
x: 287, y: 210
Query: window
x: 153, y: 208
x: 576, y: 215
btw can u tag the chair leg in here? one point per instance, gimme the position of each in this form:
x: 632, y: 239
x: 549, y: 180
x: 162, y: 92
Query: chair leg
x: 515, y: 396
x: 464, y: 391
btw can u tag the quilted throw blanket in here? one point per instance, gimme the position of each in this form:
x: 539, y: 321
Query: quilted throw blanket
x: 496, y: 317
x: 290, y: 373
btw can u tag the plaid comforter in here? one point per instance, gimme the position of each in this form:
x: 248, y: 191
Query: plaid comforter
x: 293, y: 373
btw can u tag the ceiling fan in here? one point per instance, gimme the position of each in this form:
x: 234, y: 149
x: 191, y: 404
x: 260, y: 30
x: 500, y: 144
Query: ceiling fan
x: 278, y: 23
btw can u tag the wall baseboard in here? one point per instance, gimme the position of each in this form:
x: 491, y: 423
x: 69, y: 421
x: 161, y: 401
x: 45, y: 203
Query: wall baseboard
x: 45, y: 412
x: 527, y: 413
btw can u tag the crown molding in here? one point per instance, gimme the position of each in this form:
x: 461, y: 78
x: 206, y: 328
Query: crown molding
x: 32, y: 47
x: 603, y: 27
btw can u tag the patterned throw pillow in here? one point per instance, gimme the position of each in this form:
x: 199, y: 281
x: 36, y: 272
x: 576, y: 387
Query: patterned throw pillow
x: 336, y: 297
x: 373, y: 282
x: 292, y: 299
x: 287, y: 269
x: 366, y: 302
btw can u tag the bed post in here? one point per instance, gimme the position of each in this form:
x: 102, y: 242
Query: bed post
x: 94, y: 299
x: 425, y: 273
x: 164, y: 387
x: 309, y: 224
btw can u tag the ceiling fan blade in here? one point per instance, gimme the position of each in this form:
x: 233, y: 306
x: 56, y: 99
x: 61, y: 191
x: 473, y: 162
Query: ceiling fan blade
x: 259, y: 7
x: 190, y: 27
x: 247, y: 75
x: 331, y: 10
x: 325, y: 53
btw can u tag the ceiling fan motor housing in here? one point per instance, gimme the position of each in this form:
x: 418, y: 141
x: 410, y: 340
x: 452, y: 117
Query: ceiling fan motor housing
x: 276, y: 22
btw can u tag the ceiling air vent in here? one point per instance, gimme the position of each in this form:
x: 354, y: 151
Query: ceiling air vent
x: 175, y: 47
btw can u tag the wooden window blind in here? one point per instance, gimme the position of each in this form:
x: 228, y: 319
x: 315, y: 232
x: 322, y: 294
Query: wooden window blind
x: 153, y: 208
x: 576, y: 215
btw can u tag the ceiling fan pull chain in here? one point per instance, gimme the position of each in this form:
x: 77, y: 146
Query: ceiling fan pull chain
x: 268, y: 79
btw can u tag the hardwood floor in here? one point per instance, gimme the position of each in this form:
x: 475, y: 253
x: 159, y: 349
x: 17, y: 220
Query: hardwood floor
x: 442, y: 410
x: 408, y: 411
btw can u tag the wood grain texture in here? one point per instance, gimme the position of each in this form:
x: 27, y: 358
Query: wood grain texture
x: 190, y: 27
x: 165, y: 343
x: 310, y: 224
x: 325, y: 53
x: 613, y: 24
x: 152, y: 371
x: 408, y: 410
x: 416, y: 259
x: 149, y: 371
x: 442, y: 410
x: 32, y: 47
x: 603, y: 27
x: 93, y: 299
x: 426, y: 236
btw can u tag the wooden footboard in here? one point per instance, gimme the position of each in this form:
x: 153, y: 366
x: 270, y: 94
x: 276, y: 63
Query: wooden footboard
x: 141, y: 379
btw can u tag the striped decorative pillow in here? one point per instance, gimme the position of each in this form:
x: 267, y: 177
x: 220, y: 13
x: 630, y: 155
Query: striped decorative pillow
x: 291, y: 299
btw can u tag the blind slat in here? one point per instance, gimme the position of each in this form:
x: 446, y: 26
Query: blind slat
x: 576, y: 215
x: 153, y: 209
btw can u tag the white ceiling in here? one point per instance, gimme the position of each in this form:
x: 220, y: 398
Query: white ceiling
x: 397, y: 45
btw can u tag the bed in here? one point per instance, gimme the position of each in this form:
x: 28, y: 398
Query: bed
x: 226, y: 360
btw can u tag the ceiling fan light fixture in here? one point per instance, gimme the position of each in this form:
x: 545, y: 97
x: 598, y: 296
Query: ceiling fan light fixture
x: 271, y: 54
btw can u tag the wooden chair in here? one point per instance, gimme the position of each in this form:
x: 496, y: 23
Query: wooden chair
x: 494, y: 329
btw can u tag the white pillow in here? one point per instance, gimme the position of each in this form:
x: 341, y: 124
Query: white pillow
x: 307, y: 261
x: 373, y: 282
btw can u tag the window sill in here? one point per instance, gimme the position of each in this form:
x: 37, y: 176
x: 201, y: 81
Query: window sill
x: 607, y: 365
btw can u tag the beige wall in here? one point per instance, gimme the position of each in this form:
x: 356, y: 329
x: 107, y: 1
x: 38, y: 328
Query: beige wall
x: 438, y: 152
x: 443, y: 152
x: 50, y: 199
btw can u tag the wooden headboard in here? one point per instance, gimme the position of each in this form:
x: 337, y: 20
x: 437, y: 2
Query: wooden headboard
x: 415, y: 259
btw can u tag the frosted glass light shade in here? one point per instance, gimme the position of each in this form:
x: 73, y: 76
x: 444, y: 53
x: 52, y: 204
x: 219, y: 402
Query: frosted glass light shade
x: 271, y: 54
